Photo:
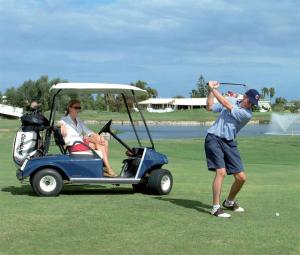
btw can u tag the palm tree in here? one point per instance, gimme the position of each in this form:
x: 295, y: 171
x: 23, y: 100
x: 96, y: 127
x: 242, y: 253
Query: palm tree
x: 265, y: 92
x: 271, y: 93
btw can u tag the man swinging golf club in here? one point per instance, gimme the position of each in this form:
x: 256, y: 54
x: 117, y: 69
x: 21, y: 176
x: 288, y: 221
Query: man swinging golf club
x: 221, y: 150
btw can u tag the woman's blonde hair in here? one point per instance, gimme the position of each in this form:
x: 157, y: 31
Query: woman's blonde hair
x: 70, y: 104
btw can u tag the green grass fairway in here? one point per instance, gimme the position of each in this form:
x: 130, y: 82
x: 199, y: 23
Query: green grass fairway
x: 114, y: 220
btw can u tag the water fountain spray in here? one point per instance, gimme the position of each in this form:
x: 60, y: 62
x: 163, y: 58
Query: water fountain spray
x: 284, y: 124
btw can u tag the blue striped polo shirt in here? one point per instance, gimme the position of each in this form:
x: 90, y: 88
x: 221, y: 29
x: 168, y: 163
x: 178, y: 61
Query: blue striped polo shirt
x: 229, y: 123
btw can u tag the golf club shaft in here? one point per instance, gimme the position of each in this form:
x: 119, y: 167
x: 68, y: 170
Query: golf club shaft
x: 229, y: 83
x: 234, y: 84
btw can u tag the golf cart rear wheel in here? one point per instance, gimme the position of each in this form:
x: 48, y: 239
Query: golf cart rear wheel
x: 160, y: 182
x: 47, y: 182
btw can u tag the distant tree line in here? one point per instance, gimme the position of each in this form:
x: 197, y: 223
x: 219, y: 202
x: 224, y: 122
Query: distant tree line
x: 38, y: 90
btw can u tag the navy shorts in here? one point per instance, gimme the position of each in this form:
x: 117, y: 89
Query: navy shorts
x: 221, y: 153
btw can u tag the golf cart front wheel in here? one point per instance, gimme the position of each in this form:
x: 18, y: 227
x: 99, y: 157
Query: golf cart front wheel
x: 47, y: 182
x: 160, y: 182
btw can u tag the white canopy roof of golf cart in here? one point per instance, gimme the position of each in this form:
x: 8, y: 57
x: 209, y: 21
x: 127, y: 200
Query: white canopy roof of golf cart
x: 95, y: 88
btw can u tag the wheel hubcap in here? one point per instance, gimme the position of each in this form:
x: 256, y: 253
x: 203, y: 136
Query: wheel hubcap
x: 48, y: 183
x: 165, y: 182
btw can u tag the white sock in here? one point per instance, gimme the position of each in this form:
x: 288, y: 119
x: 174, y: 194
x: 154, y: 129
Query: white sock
x: 215, y: 207
x: 230, y: 202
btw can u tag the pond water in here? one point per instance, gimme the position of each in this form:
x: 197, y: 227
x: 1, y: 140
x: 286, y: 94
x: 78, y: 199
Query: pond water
x: 182, y: 132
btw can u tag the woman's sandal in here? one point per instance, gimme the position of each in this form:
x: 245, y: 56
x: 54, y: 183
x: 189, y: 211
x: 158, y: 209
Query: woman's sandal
x: 108, y: 173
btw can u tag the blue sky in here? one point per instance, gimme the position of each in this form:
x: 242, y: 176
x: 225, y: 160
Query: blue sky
x: 167, y: 43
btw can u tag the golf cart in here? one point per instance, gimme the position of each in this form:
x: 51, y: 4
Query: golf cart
x: 49, y: 173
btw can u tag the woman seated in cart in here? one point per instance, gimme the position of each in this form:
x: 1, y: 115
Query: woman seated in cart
x: 72, y: 129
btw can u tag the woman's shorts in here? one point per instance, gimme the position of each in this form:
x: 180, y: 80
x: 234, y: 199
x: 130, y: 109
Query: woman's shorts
x: 80, y: 147
x: 221, y: 153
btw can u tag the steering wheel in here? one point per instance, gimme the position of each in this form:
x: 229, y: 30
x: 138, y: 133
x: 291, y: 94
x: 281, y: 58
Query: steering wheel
x: 106, y: 128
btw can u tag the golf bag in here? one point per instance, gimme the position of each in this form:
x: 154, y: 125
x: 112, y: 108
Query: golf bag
x: 28, y: 142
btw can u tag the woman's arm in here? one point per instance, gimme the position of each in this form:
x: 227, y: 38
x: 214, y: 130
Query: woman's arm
x: 97, y: 139
x: 87, y: 131
x: 63, y: 129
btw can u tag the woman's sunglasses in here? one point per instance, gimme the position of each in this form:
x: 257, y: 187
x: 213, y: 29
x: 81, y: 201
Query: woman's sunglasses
x: 77, y: 107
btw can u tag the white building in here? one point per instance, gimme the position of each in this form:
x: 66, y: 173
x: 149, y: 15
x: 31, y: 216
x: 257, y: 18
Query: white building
x: 173, y: 104
x: 264, y: 105
x: 158, y: 104
x: 10, y: 111
x: 189, y: 103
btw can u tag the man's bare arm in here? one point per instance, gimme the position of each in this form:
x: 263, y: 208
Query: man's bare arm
x: 209, y: 101
x: 213, y: 85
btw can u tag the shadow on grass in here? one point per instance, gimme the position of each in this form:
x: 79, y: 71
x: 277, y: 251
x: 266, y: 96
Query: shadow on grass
x: 20, y: 190
x: 96, y: 190
x: 26, y: 190
x: 190, y: 204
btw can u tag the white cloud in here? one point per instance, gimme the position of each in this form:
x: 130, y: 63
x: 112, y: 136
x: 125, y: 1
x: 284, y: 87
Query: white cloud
x: 148, y: 36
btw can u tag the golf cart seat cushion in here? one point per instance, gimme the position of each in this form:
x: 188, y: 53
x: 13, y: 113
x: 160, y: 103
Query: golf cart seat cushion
x: 86, y: 149
x: 86, y: 153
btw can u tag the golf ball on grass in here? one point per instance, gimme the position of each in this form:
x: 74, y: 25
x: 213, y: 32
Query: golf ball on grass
x: 277, y: 214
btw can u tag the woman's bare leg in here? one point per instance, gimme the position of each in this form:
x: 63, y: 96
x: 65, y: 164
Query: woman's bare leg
x: 99, y: 143
x: 92, y: 146
x: 105, y: 159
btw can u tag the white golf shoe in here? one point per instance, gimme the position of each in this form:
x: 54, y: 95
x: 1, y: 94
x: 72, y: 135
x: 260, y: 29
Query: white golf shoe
x: 220, y: 213
x: 234, y: 207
